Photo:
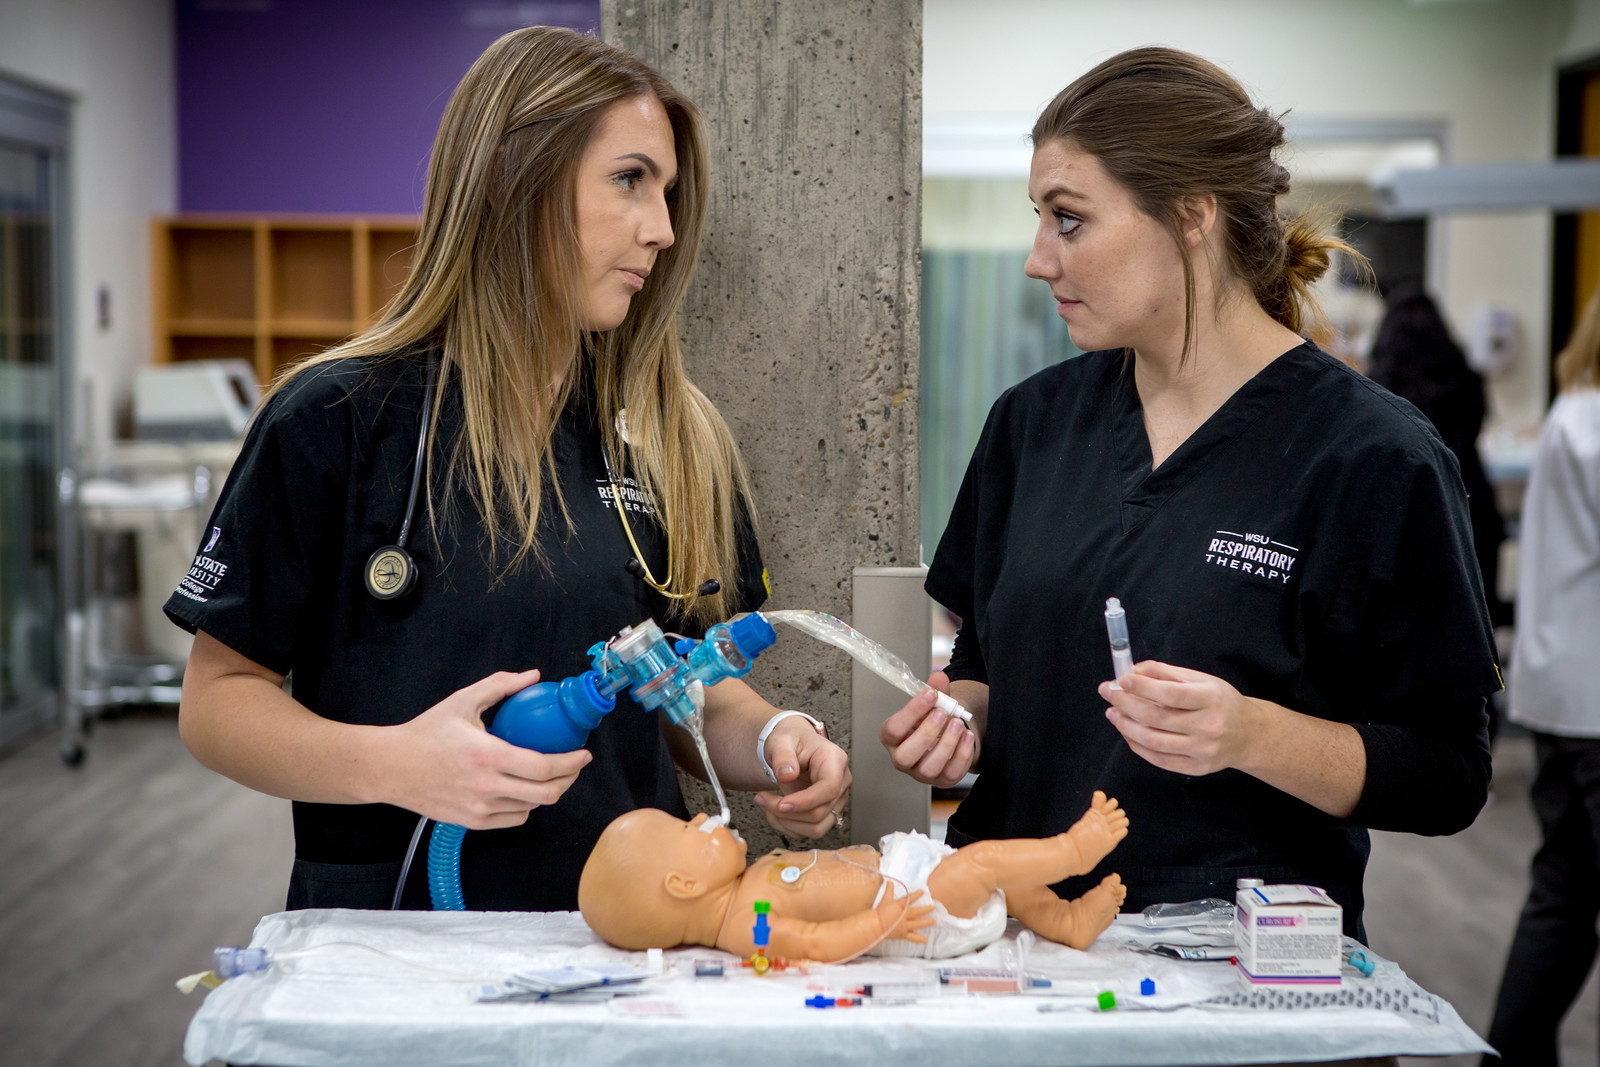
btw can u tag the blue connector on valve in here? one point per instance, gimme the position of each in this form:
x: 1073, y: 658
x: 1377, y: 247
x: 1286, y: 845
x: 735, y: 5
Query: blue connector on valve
x: 659, y: 675
x: 557, y: 716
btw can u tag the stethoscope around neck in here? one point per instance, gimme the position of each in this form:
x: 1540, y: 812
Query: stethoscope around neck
x: 637, y: 566
x: 391, y: 572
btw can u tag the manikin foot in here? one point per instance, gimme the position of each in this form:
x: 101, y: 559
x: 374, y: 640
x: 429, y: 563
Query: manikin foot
x: 1078, y: 922
x: 1097, y: 833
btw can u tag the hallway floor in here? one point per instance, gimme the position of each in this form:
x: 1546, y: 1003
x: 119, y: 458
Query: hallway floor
x: 120, y: 876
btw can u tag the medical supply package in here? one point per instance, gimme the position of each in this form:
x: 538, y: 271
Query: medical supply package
x: 1288, y: 935
x: 568, y: 983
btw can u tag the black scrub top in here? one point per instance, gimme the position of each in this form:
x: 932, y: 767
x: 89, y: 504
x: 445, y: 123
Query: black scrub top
x: 1309, y: 544
x: 320, y: 484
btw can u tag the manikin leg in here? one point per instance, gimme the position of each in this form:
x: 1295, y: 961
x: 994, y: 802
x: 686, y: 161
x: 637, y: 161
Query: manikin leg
x: 1074, y: 923
x: 1025, y: 868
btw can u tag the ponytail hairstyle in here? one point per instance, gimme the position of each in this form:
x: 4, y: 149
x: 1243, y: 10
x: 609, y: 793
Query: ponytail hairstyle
x: 1578, y: 364
x: 496, y: 283
x: 1169, y: 126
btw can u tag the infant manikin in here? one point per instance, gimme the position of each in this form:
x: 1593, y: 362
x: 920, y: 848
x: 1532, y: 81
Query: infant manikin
x: 655, y: 881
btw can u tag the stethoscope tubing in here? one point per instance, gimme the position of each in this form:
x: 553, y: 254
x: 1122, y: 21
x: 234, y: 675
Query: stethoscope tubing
x: 422, y: 454
x: 397, y: 554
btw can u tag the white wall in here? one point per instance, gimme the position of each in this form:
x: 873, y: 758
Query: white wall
x: 114, y: 59
x: 1484, y: 69
x: 1583, y: 36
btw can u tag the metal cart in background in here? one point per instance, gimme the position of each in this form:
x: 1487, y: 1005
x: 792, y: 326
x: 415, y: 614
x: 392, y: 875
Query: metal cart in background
x: 138, y: 519
x: 131, y: 523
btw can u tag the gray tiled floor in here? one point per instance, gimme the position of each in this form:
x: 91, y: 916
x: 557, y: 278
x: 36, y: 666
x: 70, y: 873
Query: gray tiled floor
x: 1446, y: 908
x: 116, y: 878
x: 120, y: 876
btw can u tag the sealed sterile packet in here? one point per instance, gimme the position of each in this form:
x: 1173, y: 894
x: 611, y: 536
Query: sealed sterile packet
x: 561, y: 982
x: 1206, y: 912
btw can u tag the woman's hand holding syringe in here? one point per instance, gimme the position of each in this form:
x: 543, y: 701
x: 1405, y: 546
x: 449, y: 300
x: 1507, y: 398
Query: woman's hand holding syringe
x: 1196, y: 724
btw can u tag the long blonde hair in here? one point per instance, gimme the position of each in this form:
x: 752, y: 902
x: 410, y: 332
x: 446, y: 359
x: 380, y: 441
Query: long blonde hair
x: 495, y: 284
x: 1578, y: 364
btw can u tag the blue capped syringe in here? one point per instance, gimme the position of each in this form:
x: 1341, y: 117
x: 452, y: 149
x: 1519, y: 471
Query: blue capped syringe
x: 1117, y: 630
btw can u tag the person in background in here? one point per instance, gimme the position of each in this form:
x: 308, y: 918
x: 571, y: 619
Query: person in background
x: 1414, y: 357
x: 1289, y: 540
x: 527, y: 377
x: 1555, y: 693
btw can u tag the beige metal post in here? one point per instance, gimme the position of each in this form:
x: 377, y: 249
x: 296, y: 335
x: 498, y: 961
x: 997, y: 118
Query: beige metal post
x: 891, y: 608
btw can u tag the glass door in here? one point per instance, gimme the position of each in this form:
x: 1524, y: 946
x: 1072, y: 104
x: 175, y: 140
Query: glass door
x: 32, y: 413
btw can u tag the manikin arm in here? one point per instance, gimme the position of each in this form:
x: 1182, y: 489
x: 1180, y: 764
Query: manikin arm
x: 837, y: 939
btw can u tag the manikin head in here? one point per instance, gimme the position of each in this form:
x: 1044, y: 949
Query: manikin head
x: 655, y: 881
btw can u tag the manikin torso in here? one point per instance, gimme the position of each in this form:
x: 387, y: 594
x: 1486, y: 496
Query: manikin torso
x: 837, y: 884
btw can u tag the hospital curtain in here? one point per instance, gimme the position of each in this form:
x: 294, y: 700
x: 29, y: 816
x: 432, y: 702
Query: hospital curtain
x: 985, y: 327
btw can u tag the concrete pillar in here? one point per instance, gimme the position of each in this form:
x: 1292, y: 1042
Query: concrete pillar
x: 803, y: 321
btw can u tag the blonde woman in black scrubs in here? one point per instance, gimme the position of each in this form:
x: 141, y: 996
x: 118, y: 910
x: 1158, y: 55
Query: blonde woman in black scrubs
x: 565, y: 206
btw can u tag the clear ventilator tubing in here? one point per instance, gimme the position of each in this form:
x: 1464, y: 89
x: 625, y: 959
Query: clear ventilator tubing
x: 1117, y: 631
x: 696, y: 691
x: 231, y: 961
x: 867, y: 652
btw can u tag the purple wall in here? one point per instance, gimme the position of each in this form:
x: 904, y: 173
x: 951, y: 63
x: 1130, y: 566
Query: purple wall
x: 328, y: 105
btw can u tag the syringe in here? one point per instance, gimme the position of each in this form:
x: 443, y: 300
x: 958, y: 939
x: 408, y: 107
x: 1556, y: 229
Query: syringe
x: 1117, y: 630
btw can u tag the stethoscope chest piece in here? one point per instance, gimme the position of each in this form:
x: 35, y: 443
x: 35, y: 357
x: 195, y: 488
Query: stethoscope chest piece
x: 390, y: 572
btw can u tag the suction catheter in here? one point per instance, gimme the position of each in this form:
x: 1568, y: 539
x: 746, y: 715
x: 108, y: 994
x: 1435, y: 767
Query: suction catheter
x: 231, y: 961
x: 557, y: 716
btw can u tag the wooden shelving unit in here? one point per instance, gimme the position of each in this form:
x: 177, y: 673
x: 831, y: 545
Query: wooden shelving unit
x: 27, y: 313
x: 271, y: 289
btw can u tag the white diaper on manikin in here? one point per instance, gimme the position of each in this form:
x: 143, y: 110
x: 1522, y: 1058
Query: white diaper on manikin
x: 908, y: 859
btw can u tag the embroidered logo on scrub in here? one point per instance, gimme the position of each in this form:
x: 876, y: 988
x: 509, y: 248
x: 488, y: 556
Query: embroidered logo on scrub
x: 205, y: 574
x: 633, y: 495
x: 1255, y: 554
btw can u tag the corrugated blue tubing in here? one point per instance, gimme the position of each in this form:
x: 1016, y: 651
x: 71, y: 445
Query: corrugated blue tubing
x: 444, y: 867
